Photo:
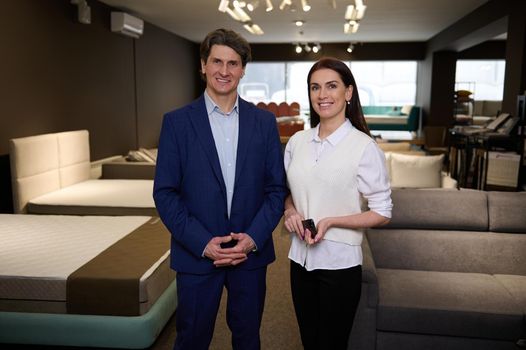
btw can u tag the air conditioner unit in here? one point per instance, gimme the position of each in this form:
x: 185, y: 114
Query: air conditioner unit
x: 126, y: 24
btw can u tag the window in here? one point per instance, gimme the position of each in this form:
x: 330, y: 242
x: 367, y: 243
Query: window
x: 484, y: 78
x: 385, y: 83
x: 379, y: 82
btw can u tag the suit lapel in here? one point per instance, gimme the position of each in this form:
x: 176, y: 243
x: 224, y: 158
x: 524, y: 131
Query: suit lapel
x: 201, y: 124
x: 246, y: 130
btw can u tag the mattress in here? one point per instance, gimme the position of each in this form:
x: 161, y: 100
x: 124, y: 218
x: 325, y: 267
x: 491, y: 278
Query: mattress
x: 98, y: 197
x: 386, y: 119
x: 38, y: 253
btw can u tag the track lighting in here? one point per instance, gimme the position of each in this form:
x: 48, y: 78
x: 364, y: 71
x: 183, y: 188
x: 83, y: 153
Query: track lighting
x: 300, y: 47
x: 350, y: 48
x: 299, y: 23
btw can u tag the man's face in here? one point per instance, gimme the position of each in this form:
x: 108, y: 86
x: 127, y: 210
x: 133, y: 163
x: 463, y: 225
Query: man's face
x: 223, y: 70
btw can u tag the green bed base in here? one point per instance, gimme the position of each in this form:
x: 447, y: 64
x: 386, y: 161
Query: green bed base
x: 136, y: 332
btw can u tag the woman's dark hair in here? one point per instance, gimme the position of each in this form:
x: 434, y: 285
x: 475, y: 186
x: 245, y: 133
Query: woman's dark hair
x: 353, y: 111
x: 228, y: 38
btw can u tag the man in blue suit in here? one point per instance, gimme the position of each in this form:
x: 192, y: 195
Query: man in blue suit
x: 219, y: 188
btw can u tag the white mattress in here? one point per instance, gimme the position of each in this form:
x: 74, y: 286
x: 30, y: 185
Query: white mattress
x: 39, y: 252
x: 102, y: 193
x: 386, y: 119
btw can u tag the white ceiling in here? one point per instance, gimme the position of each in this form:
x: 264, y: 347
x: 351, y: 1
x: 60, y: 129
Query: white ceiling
x: 385, y: 20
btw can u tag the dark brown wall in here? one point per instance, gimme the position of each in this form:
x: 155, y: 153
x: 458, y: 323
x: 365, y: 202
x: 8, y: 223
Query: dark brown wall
x: 58, y: 74
x: 167, y: 69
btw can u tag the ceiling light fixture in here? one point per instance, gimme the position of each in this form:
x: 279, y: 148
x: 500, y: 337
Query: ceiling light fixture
x: 284, y: 4
x: 223, y: 5
x: 269, y: 6
x: 350, y: 48
x: 312, y: 47
x: 353, y: 14
x: 299, y: 23
x: 305, y: 6
x: 253, y: 28
x: 298, y: 48
x: 238, y: 14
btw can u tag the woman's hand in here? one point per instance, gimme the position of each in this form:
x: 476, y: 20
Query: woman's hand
x: 293, y: 222
x: 322, y: 227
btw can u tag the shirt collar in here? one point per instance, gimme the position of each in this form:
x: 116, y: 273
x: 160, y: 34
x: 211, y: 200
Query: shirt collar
x: 211, y: 106
x: 336, y: 136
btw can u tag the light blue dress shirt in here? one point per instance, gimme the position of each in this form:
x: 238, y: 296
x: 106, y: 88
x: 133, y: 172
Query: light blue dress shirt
x: 225, y: 129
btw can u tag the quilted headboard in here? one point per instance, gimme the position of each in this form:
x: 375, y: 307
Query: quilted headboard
x: 45, y: 163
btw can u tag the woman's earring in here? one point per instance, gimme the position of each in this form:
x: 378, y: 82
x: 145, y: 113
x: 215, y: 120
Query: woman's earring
x: 349, y: 102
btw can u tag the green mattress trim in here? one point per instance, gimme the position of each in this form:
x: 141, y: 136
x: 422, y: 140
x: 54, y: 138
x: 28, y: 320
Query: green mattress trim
x: 136, y: 332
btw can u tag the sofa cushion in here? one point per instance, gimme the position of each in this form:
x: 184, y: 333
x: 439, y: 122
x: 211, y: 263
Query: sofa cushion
x: 507, y: 211
x: 447, y: 303
x: 442, y: 210
x: 444, y: 250
x: 516, y: 285
x: 411, y: 171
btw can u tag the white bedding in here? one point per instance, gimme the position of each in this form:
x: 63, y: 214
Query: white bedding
x: 39, y: 252
x: 105, y: 193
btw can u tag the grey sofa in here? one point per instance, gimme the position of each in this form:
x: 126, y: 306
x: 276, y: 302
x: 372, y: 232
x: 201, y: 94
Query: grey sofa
x: 448, y: 272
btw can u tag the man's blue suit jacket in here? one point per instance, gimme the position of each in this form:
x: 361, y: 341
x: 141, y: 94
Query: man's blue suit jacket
x: 190, y: 192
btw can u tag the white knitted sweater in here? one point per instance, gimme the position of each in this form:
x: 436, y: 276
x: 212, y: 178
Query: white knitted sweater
x: 330, y: 187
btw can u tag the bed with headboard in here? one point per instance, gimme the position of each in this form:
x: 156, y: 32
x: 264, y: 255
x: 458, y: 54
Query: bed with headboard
x: 95, y: 281
x: 50, y: 174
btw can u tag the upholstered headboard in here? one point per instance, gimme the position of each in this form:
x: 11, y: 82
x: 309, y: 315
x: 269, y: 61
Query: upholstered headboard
x: 45, y: 163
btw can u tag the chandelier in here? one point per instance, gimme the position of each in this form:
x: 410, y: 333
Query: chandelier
x: 237, y: 9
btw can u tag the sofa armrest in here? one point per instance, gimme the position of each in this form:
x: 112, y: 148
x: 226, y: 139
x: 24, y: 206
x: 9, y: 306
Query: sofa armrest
x: 369, y: 275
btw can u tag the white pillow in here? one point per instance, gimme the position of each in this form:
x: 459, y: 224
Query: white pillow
x: 406, y: 109
x: 415, y: 171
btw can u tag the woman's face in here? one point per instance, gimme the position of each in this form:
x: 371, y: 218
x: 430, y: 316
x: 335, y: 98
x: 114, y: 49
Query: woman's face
x: 328, y: 94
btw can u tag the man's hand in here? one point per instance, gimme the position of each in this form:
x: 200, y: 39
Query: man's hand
x: 293, y: 223
x: 223, y: 256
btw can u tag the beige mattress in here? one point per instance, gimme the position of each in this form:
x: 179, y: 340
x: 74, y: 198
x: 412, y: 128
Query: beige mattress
x: 38, y: 253
x: 386, y: 119
x: 98, y: 197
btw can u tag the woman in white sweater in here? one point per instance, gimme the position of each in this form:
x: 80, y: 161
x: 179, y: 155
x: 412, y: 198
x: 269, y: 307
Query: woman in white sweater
x: 329, y: 168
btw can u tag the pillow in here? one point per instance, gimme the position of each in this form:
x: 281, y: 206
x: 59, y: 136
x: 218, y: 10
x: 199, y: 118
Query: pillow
x: 394, y: 146
x: 415, y: 171
x: 406, y: 109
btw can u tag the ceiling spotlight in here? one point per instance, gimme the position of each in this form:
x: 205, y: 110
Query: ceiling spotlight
x: 299, y: 23
x: 305, y: 5
x: 298, y: 48
x: 316, y: 48
x: 307, y: 48
x: 269, y: 6
x: 223, y: 5
x: 350, y: 48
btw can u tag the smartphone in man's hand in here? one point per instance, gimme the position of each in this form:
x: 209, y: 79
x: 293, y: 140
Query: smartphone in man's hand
x: 309, y: 224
